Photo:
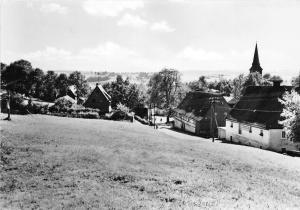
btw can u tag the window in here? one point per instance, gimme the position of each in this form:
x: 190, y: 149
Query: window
x: 240, y: 128
x: 261, y: 133
x: 250, y: 129
x: 283, y: 134
x: 231, y: 125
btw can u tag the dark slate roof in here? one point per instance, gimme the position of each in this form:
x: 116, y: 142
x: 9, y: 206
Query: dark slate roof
x: 260, y: 105
x: 196, y: 104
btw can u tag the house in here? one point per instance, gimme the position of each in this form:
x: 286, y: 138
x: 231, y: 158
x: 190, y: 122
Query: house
x: 99, y: 99
x: 231, y: 101
x: 254, y: 120
x: 71, y: 91
x: 157, y: 115
x: 196, y: 113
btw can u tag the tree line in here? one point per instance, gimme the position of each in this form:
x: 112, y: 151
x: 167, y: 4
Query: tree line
x: 21, y: 77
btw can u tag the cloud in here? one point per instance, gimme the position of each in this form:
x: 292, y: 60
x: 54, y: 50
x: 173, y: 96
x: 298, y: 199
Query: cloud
x: 53, y: 8
x: 110, y: 8
x: 162, y: 26
x: 132, y: 21
x: 49, y: 52
x: 198, y: 54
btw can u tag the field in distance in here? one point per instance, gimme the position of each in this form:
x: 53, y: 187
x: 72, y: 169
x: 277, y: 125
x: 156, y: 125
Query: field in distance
x: 64, y: 163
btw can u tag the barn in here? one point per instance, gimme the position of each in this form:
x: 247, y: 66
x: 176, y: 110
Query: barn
x: 196, y: 113
x: 99, y: 99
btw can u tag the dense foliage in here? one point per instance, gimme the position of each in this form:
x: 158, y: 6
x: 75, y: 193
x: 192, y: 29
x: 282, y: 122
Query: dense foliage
x: 291, y: 115
x: 165, y: 88
x: 124, y: 92
x: 21, y: 77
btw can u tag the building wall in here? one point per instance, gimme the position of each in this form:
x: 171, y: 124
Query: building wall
x: 98, y: 101
x: 185, y: 124
x: 245, y: 137
x: 272, y: 139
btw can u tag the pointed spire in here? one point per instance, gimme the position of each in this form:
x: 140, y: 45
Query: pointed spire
x: 255, y: 64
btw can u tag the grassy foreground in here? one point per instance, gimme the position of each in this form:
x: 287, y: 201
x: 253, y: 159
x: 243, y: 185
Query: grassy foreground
x: 63, y: 163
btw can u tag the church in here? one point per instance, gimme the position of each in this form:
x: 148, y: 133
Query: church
x: 255, y: 64
x: 254, y: 120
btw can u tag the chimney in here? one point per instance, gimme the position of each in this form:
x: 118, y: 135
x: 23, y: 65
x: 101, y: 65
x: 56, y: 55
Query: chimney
x: 276, y: 82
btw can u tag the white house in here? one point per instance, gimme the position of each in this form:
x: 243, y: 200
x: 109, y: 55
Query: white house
x: 254, y: 120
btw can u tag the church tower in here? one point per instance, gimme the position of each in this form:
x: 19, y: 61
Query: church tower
x: 255, y: 64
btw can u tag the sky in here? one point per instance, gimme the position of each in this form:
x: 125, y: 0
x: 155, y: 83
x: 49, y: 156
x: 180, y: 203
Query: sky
x: 148, y: 35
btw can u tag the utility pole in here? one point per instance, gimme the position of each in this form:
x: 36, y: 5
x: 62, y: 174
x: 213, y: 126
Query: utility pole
x: 213, y: 101
x: 8, y: 106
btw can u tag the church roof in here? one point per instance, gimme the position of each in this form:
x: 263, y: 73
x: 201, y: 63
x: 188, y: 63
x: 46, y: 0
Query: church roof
x: 260, y: 105
x: 255, y: 64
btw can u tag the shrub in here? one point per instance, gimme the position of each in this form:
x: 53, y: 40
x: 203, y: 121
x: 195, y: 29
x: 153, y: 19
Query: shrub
x: 36, y: 108
x: 62, y: 104
x: 122, y: 108
x: 17, y: 104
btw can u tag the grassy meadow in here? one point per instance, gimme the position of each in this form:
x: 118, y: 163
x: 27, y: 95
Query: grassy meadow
x: 52, y: 162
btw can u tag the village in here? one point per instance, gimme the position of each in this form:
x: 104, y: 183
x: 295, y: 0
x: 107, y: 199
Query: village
x: 141, y: 105
x: 203, y: 115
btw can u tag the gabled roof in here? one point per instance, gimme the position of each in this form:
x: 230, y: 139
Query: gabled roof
x: 72, y: 88
x: 196, y: 104
x: 100, y: 89
x: 260, y: 105
x: 107, y: 96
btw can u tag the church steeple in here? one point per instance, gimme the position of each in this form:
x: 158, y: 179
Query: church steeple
x: 255, y: 64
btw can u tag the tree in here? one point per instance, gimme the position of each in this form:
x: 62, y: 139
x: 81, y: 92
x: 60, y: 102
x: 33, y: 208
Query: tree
x: 62, y: 84
x: 296, y: 81
x: 49, y: 89
x: 81, y: 84
x: 291, y: 115
x: 15, y: 76
x: 164, y: 87
x: 36, y: 83
x: 123, y: 92
x: 199, y: 85
x: 237, y: 86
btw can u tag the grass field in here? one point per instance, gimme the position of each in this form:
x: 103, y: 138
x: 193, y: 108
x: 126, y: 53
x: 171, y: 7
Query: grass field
x: 63, y: 163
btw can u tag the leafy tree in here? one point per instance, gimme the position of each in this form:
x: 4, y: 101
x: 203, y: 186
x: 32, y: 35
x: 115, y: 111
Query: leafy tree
x: 237, y: 84
x: 164, y: 87
x: 36, y: 83
x: 15, y: 76
x: 81, y: 84
x: 123, y: 92
x: 50, y: 91
x: 296, y: 81
x: 291, y: 115
x: 62, y: 84
x: 200, y: 85
x: 267, y: 76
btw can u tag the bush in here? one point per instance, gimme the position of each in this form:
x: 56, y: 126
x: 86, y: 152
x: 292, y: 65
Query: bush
x: 122, y: 108
x: 62, y: 104
x: 120, y: 115
x: 17, y: 104
x: 36, y: 108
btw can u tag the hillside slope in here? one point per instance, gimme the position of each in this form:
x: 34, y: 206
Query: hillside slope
x: 53, y: 163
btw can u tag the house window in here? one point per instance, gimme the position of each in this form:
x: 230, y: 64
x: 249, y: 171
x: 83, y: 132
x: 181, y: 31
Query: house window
x: 283, y: 134
x: 231, y: 124
x: 261, y: 133
x: 250, y: 129
x: 240, y: 128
